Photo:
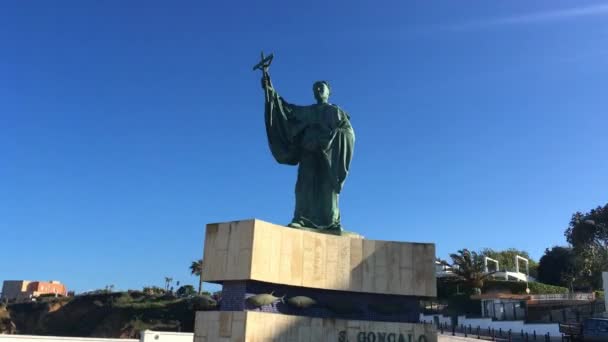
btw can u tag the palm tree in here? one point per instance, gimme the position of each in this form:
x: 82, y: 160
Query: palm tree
x: 469, y: 267
x: 168, y: 281
x: 196, y: 268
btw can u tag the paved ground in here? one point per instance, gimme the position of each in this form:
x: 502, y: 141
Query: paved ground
x: 449, y: 338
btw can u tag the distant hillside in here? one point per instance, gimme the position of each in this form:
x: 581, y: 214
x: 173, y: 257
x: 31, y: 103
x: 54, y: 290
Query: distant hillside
x: 120, y: 315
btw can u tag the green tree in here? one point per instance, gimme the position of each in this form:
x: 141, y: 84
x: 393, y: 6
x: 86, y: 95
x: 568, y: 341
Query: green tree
x: 587, y: 233
x: 589, y: 229
x: 186, y: 291
x: 196, y: 268
x: 506, y: 260
x: 557, y: 266
x: 469, y: 267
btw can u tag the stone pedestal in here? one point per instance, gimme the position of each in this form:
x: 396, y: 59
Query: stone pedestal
x: 259, y: 326
x: 366, y: 290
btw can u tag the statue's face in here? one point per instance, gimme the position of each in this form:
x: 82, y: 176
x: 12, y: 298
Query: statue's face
x: 321, y: 92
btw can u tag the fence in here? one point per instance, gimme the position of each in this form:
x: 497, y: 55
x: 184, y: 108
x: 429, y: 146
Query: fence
x: 491, y: 334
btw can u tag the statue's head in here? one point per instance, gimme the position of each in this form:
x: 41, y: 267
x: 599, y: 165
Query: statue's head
x: 321, y: 89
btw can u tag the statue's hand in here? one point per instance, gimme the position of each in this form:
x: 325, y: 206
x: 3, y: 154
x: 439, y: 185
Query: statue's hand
x: 266, y: 82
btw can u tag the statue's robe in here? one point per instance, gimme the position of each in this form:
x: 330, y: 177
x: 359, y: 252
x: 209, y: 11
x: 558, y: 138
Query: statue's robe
x: 320, y: 140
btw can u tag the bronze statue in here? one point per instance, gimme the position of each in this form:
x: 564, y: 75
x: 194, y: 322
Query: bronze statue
x: 320, y: 140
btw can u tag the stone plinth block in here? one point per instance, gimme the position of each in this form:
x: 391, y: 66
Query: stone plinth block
x: 262, y: 251
x: 212, y: 326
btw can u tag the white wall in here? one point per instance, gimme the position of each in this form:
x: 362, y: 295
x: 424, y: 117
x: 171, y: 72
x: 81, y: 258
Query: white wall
x: 485, y: 323
x: 38, y: 338
x: 146, y: 336
x: 164, y: 336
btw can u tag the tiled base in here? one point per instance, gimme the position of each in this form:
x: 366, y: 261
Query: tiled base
x: 365, y: 306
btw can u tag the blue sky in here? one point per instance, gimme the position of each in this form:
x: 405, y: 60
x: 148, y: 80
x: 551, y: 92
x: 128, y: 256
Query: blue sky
x: 126, y: 126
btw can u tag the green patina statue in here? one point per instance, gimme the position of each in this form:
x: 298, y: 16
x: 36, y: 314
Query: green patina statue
x: 320, y: 140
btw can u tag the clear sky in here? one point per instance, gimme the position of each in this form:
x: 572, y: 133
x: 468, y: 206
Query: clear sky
x: 126, y: 126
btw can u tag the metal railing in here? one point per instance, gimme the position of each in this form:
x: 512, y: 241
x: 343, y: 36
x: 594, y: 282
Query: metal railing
x: 491, y: 334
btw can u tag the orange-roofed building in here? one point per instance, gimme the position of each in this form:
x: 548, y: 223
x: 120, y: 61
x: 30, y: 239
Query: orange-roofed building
x: 18, y: 290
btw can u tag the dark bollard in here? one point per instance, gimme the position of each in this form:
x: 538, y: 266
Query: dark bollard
x: 500, y: 332
x: 509, y: 334
x: 527, y: 336
x: 441, y: 327
x: 493, y: 335
x: 522, y: 334
x: 465, y: 332
x: 534, y: 335
x: 453, y: 330
x: 478, y: 330
x: 470, y: 329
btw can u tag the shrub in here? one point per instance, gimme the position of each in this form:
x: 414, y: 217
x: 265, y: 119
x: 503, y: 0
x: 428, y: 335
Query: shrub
x: 136, y: 294
x: 540, y: 288
x: 520, y: 287
x: 186, y: 291
x: 154, y: 290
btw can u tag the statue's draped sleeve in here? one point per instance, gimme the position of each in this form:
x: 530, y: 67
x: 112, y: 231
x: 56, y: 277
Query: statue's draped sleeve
x: 339, y: 151
x: 280, y: 129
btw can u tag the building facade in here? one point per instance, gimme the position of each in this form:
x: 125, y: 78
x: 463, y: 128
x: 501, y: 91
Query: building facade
x: 19, y: 290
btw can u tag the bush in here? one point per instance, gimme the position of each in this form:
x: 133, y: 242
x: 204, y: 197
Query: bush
x: 201, y: 303
x: 186, y: 291
x: 520, y: 287
x: 125, y: 298
x: 449, y: 288
x: 154, y: 290
x: 136, y: 294
x: 540, y: 288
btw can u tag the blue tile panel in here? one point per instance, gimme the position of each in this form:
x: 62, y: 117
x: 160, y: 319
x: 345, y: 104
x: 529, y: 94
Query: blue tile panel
x: 352, y: 305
